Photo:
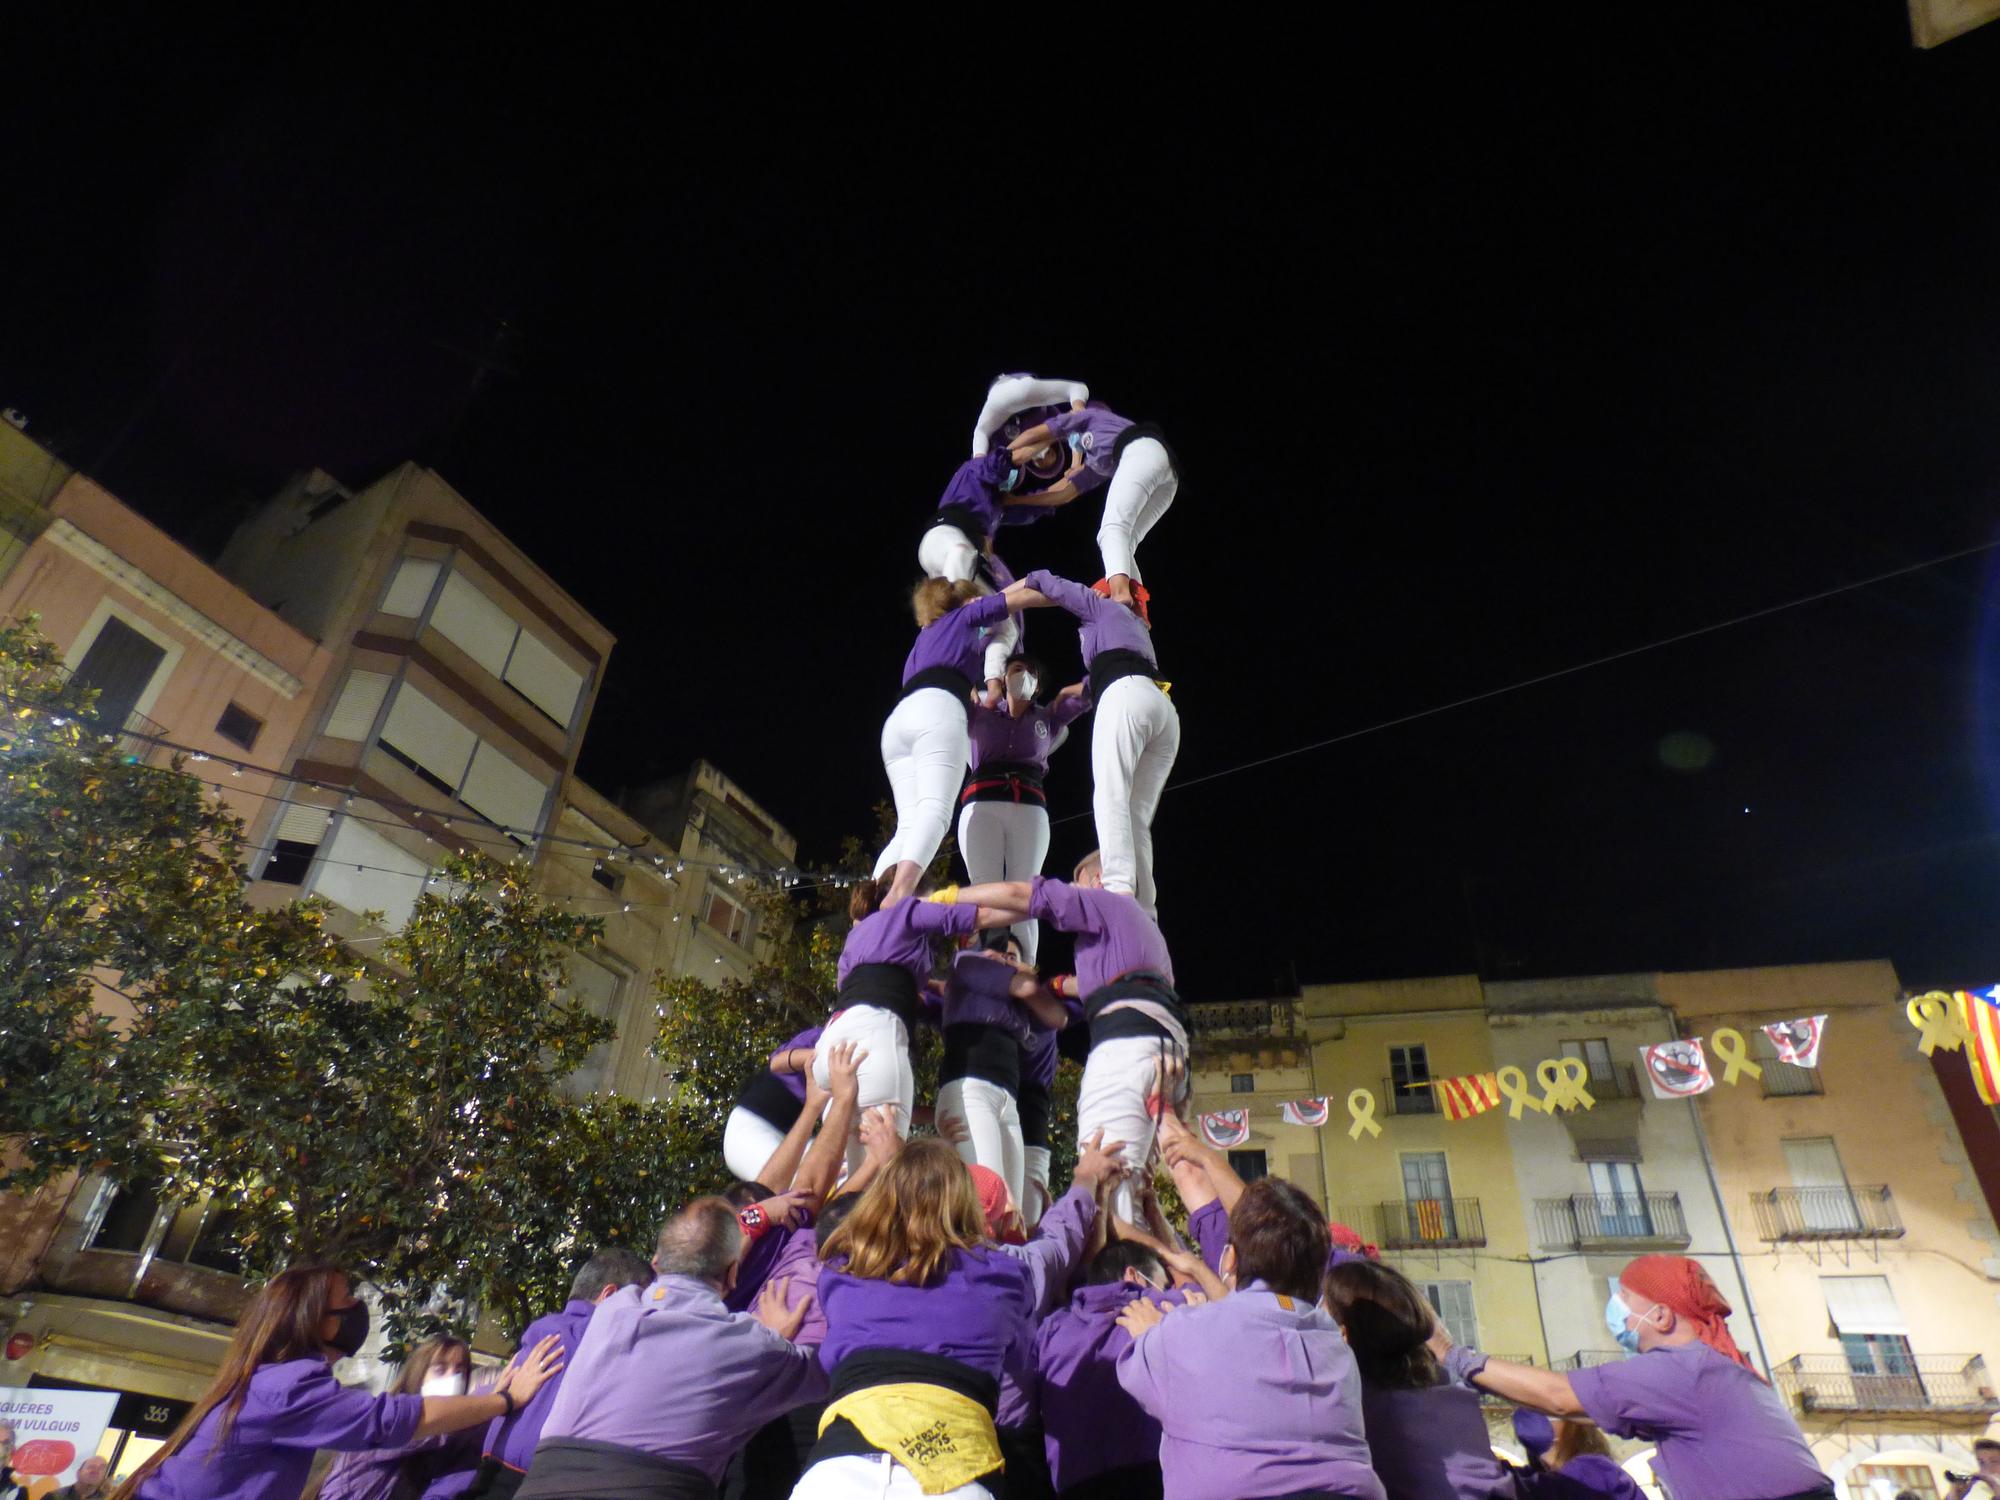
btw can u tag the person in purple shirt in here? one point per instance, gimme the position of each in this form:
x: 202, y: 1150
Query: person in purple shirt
x: 1721, y: 1432
x: 924, y: 739
x: 274, y: 1401
x: 1282, y: 1416
x: 1426, y: 1435
x: 1135, y: 736
x: 1099, y: 1441
x: 510, y: 1442
x: 438, y: 1366
x: 1125, y: 979
x: 1132, y: 459
x: 883, y: 967
x: 990, y: 1000
x: 1040, y: 1058
x: 1013, y: 394
x: 916, y: 1295
x: 1003, y: 812
x: 667, y: 1383
x: 768, y: 1106
x: 957, y: 544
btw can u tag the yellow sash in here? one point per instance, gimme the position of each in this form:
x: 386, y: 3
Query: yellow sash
x: 943, y: 1439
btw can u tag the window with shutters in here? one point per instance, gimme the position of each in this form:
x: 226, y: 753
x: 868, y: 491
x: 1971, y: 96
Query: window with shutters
x: 1594, y: 1053
x: 363, y: 871
x: 295, y: 841
x: 426, y: 738
x: 353, y: 716
x: 1452, y: 1302
x: 1427, y: 1204
x: 410, y: 590
x: 120, y: 664
x: 504, y: 794
x: 1242, y: 1083
x: 597, y: 988
x: 727, y: 918
x: 471, y: 621
x: 1410, y: 1091
x: 1826, y: 1202
x: 1873, y: 1337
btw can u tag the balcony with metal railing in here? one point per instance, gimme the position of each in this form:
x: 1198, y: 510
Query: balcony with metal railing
x: 1223, y: 1018
x: 1583, y: 1359
x: 1623, y: 1221
x: 1420, y: 1223
x: 1937, y: 1383
x: 1853, y: 1212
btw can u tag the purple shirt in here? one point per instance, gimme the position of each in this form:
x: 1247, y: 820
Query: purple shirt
x: 1432, y: 1444
x: 1722, y: 1433
x: 1096, y: 430
x: 980, y: 1312
x: 795, y: 1083
x: 672, y: 1372
x: 974, y: 486
x: 1113, y: 936
x: 1089, y: 1423
x: 1027, y: 741
x: 442, y: 1465
x: 901, y: 934
x: 1256, y: 1394
x: 1209, y: 1225
x: 958, y: 640
x: 1050, y: 1254
x: 1104, y: 626
x: 760, y: 1263
x: 292, y: 1410
x: 980, y: 993
x: 798, y: 1263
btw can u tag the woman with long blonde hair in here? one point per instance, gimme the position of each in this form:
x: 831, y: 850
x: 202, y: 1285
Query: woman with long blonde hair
x: 274, y: 1402
x: 924, y: 1314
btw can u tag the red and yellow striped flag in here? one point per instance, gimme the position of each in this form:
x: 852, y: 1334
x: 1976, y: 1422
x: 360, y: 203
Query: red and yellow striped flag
x: 1473, y: 1094
x: 1430, y: 1219
x: 1980, y: 1013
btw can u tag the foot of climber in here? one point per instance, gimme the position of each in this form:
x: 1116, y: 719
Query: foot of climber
x: 1120, y: 589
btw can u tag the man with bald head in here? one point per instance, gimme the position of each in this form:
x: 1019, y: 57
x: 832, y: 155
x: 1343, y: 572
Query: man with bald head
x: 89, y: 1484
x: 667, y: 1383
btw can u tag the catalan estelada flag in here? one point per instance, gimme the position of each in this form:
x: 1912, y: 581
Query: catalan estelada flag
x: 1979, y: 1010
x: 1473, y: 1094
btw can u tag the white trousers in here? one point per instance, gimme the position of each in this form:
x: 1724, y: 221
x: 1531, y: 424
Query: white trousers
x: 1133, y: 742
x: 947, y: 552
x: 1117, y: 1080
x: 1037, y: 1202
x: 885, y: 1075
x: 1011, y: 395
x: 1006, y: 841
x: 1141, y: 489
x: 872, y: 1476
x: 993, y: 1120
x: 924, y: 750
x: 748, y: 1141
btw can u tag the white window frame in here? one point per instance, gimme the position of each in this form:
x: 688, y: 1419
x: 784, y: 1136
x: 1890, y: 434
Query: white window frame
x: 109, y: 609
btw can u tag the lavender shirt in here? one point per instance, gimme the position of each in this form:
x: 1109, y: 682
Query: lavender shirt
x: 1432, y: 1444
x: 1050, y: 1255
x: 1027, y: 741
x: 975, y: 487
x: 1722, y: 1433
x: 901, y: 934
x: 980, y: 993
x: 1209, y: 1226
x: 512, y: 1440
x: 958, y: 640
x: 1113, y: 936
x: 1096, y: 429
x: 672, y: 1372
x: 1104, y: 626
x: 292, y: 1410
x: 1281, y: 1413
x: 798, y: 1263
x: 1089, y: 1423
x: 760, y: 1263
x: 795, y: 1083
x: 980, y: 1312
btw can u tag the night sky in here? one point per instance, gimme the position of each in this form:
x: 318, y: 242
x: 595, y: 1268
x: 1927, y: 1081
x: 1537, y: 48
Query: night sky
x: 1487, y: 353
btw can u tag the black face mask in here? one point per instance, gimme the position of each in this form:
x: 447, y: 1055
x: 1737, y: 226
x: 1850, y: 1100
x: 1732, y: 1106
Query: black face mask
x: 353, y: 1330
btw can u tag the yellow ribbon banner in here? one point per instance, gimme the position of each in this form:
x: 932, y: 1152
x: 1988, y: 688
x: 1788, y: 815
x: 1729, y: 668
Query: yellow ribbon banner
x: 1936, y: 1016
x: 1727, y: 1044
x: 1514, y: 1088
x: 1562, y: 1080
x: 1361, y: 1105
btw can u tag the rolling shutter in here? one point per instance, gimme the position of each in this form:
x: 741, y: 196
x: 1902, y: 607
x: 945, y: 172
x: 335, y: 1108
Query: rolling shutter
x: 544, y: 679
x: 388, y: 879
x: 429, y: 736
x: 503, y: 793
x: 410, y: 589
x: 360, y: 699
x: 475, y: 624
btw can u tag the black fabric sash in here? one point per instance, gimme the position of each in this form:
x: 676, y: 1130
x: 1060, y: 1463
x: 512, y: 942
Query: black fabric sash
x: 1138, y: 984
x: 889, y: 987
x: 950, y: 679
x: 766, y: 1097
x: 1151, y: 430
x: 1035, y: 1106
x: 1108, y: 666
x: 962, y: 517
x: 573, y: 1469
x: 972, y: 1050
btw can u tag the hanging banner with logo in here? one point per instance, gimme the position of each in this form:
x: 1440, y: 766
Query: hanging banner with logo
x: 1676, y: 1070
x: 1797, y: 1042
x: 1313, y: 1112
x: 54, y: 1431
x: 1226, y: 1128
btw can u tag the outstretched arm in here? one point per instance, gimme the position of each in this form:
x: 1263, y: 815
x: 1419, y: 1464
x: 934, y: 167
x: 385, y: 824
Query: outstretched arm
x: 1524, y: 1385
x: 823, y: 1162
x: 779, y: 1168
x: 1009, y: 895
x: 1042, y: 1003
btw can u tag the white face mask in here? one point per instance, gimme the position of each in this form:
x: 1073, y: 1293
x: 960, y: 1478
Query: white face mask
x: 1022, y: 684
x: 444, y: 1385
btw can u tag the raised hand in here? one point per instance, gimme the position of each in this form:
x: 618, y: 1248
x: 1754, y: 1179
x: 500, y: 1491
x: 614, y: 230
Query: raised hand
x: 786, y: 1207
x: 953, y: 1129
x: 844, y: 1069
x: 879, y: 1136
x: 1097, y: 1160
x: 530, y: 1370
